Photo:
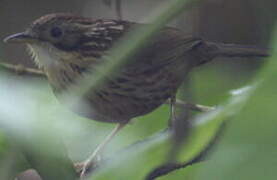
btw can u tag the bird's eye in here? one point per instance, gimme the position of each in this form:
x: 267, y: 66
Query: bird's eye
x: 56, y: 32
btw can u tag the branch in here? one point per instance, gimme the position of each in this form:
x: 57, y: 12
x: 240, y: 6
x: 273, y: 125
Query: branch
x: 194, y: 107
x: 20, y: 69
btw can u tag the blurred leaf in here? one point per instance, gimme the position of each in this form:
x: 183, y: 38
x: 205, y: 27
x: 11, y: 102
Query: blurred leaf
x: 3, y: 144
x: 249, y: 148
x: 12, y: 163
x: 29, y: 133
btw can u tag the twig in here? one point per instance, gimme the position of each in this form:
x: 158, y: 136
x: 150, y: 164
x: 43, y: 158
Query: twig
x: 20, y: 69
x: 194, y: 107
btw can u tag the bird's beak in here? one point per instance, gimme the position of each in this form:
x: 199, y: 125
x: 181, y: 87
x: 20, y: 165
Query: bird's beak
x: 22, y: 37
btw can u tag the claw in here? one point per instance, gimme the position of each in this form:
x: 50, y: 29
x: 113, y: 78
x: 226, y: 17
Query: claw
x: 86, y: 167
x: 93, y: 160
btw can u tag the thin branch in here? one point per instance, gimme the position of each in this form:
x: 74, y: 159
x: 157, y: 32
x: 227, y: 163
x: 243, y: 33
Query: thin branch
x: 191, y: 106
x: 20, y: 69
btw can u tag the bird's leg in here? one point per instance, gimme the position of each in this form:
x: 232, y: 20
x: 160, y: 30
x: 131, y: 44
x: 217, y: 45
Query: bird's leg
x: 89, y: 162
x: 172, y: 116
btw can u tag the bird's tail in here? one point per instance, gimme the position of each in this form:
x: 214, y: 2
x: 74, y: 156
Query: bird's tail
x: 235, y: 50
x: 207, y: 51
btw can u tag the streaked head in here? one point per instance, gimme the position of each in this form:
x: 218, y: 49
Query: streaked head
x: 59, y: 37
x: 62, y: 30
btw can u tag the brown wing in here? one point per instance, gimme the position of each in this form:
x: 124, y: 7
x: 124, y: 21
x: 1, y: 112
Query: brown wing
x: 165, y: 47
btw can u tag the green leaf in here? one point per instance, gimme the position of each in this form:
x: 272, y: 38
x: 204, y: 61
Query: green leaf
x: 249, y: 148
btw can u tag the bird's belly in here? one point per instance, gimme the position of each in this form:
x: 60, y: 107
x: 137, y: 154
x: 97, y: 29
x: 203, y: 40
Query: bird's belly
x: 125, y: 98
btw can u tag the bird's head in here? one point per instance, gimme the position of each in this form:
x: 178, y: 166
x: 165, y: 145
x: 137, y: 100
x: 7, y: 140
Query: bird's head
x: 61, y: 37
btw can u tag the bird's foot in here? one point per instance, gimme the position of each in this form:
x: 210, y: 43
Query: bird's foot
x: 87, y: 166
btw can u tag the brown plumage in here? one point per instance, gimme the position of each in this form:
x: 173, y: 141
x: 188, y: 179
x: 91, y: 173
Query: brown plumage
x: 76, y: 43
x: 68, y: 46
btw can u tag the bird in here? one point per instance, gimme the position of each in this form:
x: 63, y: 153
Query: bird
x: 68, y: 47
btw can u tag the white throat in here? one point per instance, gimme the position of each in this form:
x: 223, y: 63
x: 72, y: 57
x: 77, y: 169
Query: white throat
x: 43, y: 57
